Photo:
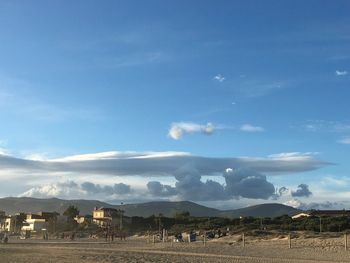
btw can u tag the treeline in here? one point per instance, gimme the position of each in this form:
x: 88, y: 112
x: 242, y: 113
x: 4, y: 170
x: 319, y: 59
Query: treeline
x: 182, y: 222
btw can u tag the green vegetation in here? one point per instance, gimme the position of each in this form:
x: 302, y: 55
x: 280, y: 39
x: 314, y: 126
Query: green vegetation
x: 182, y: 222
x: 71, y: 212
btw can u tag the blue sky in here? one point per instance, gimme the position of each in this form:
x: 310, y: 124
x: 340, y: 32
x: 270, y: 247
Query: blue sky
x: 265, y: 77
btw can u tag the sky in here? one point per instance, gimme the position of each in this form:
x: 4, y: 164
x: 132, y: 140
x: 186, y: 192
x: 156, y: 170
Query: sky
x: 225, y: 103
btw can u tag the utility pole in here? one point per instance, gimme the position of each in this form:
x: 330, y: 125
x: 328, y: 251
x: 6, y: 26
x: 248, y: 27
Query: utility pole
x: 121, y: 216
x: 320, y: 224
x: 159, y: 223
x: 121, y: 219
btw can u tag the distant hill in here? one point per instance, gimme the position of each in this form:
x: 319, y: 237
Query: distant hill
x: 263, y: 210
x: 12, y: 205
x: 168, y: 209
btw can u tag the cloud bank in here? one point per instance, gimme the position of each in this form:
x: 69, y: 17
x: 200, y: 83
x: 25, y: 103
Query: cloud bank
x: 240, y: 177
x: 302, y: 191
x: 296, y: 203
x: 92, y: 188
x: 238, y: 183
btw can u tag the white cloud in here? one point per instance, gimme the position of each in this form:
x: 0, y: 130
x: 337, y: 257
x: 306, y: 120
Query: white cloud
x: 344, y: 140
x: 4, y: 151
x: 71, y: 189
x: 219, y: 78
x: 325, y: 126
x: 251, y: 128
x: 68, y: 189
x: 178, y: 129
x: 289, y: 156
x: 37, y: 157
x: 341, y: 72
x: 294, y: 203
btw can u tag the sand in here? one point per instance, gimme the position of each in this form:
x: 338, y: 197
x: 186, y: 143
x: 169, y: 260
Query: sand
x: 228, y: 249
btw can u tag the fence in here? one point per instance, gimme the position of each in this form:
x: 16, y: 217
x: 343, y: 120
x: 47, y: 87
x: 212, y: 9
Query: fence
x: 290, y: 240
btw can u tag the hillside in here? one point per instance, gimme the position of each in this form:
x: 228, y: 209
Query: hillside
x: 263, y: 210
x: 12, y: 205
x: 168, y: 209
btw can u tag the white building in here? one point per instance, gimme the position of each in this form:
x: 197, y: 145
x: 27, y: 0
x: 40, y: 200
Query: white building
x: 9, y: 225
x: 105, y: 216
x: 34, y: 225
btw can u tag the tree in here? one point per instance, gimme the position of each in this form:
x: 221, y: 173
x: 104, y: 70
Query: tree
x: 71, y: 212
x: 19, y: 221
x: 182, y: 216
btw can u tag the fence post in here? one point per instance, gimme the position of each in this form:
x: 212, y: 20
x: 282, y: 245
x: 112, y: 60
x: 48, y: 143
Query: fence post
x: 205, y: 239
x: 289, y: 241
x: 346, y: 241
x: 154, y: 239
x: 243, y: 239
x: 163, y: 239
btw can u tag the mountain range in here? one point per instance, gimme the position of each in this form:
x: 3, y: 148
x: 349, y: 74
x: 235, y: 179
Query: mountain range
x: 13, y: 205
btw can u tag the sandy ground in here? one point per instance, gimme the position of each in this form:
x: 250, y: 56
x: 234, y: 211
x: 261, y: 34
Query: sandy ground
x: 228, y: 249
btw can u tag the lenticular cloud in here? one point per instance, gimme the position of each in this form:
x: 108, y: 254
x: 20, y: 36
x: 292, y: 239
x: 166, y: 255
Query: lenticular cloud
x: 163, y: 164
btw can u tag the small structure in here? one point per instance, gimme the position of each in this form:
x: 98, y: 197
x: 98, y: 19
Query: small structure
x: 47, y: 215
x: 323, y: 213
x: 104, y: 216
x: 43, y: 215
x: 304, y: 214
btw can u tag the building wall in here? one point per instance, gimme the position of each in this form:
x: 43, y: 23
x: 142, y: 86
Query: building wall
x: 300, y: 215
x: 35, y: 225
x: 9, y: 224
x: 99, y: 214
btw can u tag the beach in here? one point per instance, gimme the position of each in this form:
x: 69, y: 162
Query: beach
x: 137, y: 249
